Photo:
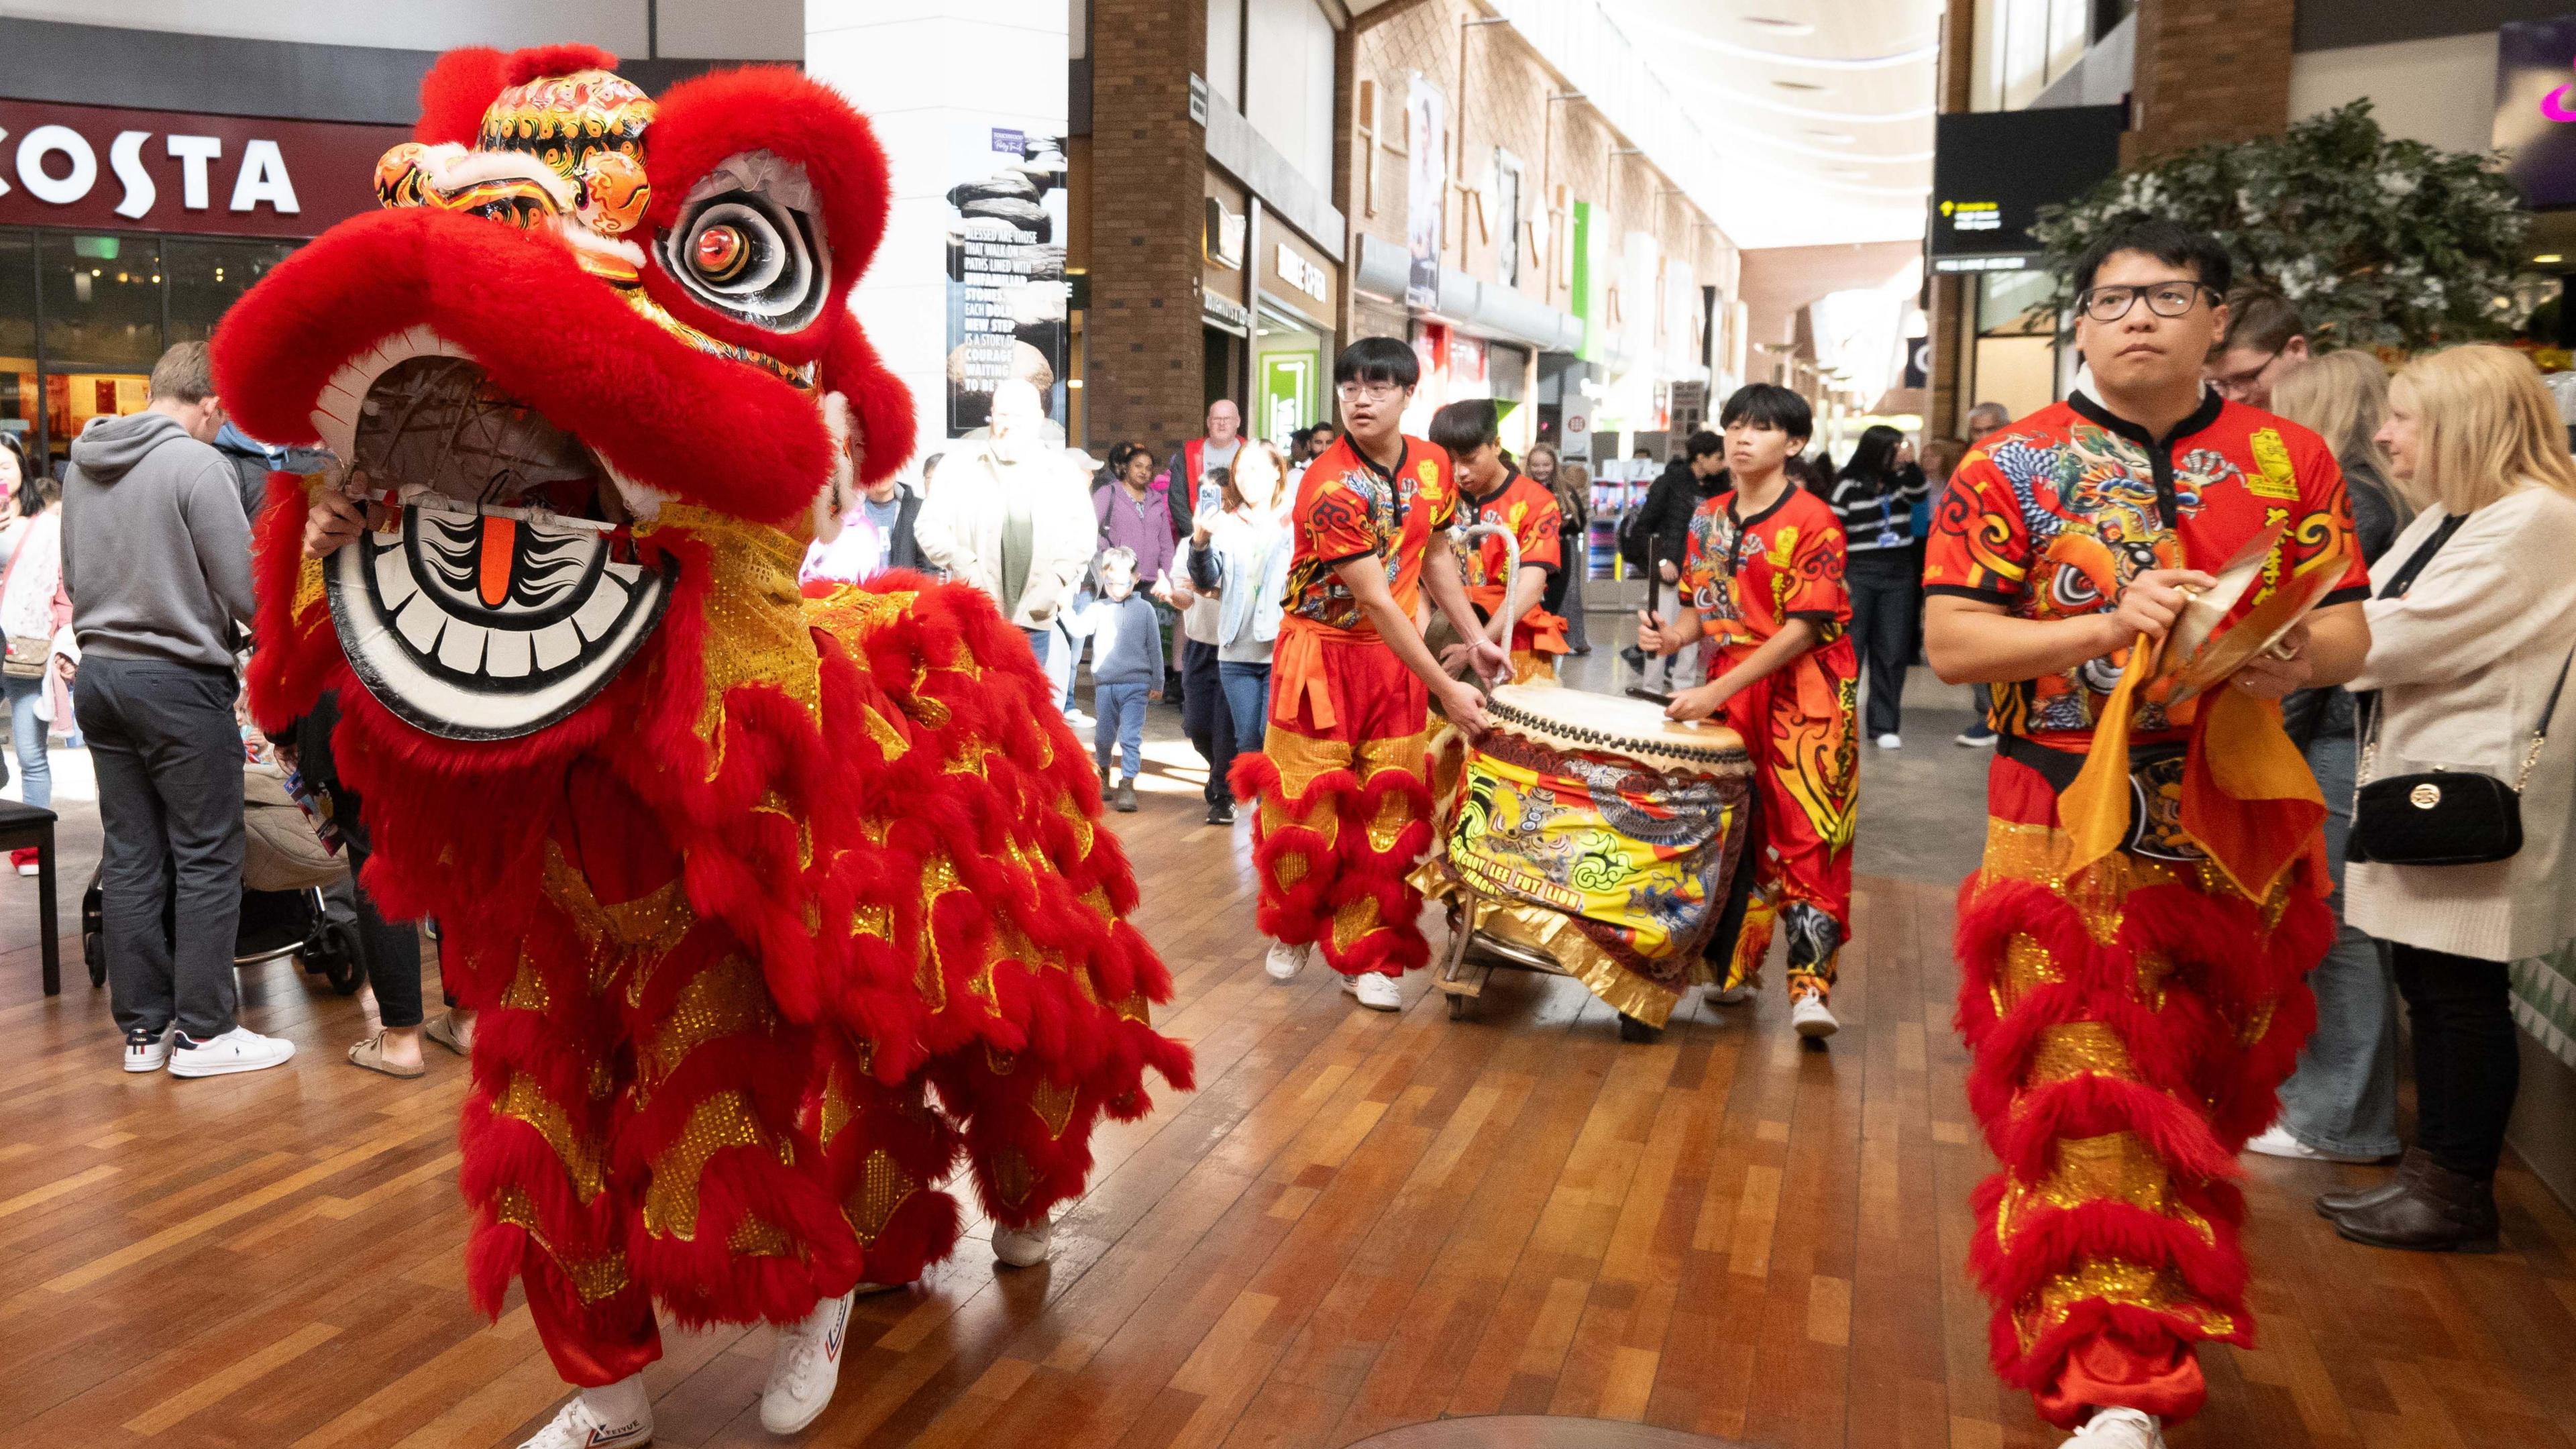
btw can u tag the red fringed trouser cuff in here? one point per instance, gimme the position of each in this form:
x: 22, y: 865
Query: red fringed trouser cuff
x: 2128, y: 1029
x: 1345, y: 812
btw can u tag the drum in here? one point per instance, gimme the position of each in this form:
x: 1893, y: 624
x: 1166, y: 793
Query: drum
x: 1596, y: 833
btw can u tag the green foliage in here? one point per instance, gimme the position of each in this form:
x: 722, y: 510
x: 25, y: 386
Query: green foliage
x: 2380, y: 243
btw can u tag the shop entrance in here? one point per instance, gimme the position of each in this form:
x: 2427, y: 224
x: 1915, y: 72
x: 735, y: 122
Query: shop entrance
x: 1222, y: 355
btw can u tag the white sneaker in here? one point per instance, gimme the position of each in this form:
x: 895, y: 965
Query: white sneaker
x: 1286, y: 960
x: 616, y: 1417
x: 1024, y: 1247
x: 1891, y: 742
x: 2120, y: 1429
x: 2276, y: 1141
x: 238, y: 1050
x: 31, y: 868
x: 806, y: 1366
x: 1809, y: 1017
x: 1731, y: 996
x: 1376, y: 992
x: 146, y: 1050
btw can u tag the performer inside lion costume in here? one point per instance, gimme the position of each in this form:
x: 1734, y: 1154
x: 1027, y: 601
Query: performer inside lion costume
x: 774, y: 906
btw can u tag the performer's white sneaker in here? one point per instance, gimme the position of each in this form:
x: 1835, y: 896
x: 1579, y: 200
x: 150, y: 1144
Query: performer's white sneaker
x: 2120, y: 1429
x: 1286, y: 960
x: 1024, y: 1247
x: 616, y: 1417
x: 1375, y: 991
x: 805, y: 1366
x: 2276, y: 1141
x: 1810, y: 1018
x: 1731, y: 996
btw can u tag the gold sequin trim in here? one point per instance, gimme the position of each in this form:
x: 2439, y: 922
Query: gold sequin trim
x: 2027, y: 967
x: 755, y: 1238
x: 1097, y: 899
x: 836, y: 1110
x: 527, y: 989
x: 309, y: 590
x: 1083, y: 829
x: 2112, y: 1280
x: 580, y: 1154
x: 756, y: 630
x: 877, y: 921
x: 727, y: 999
x: 1012, y: 1179
x: 592, y: 1279
x: 882, y: 1188
x: 938, y: 878
x: 671, y: 1200
x: 851, y: 613
x: 1000, y: 1063
x: 2116, y: 1165
x: 2068, y: 1051
x: 1354, y: 919
x: 1135, y: 1008
x: 1054, y: 1106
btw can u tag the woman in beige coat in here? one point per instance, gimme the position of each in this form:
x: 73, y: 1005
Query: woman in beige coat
x: 2466, y: 657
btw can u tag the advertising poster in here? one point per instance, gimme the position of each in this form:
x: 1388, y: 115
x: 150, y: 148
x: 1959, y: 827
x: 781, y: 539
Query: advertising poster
x: 1007, y: 295
x: 1426, y: 139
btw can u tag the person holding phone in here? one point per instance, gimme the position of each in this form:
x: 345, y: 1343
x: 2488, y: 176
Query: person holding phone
x: 1762, y: 579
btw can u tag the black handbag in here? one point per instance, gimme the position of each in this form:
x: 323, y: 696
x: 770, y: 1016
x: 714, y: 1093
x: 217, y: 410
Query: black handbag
x: 2440, y: 817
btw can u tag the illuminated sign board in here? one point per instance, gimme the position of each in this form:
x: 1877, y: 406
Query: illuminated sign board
x: 1993, y: 170
x: 2535, y: 115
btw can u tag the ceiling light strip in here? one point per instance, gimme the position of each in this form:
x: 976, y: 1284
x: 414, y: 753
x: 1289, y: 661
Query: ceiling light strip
x: 1663, y: 30
x: 1596, y: 56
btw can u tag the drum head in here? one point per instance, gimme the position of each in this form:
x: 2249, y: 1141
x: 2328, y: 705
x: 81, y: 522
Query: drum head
x: 1574, y: 719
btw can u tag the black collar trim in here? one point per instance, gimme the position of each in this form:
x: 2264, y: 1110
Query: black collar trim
x: 2201, y: 417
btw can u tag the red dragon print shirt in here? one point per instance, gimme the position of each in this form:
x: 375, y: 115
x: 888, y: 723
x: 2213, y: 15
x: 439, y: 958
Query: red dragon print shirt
x: 1347, y: 508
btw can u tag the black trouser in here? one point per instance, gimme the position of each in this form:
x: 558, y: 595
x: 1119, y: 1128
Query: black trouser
x: 392, y: 948
x: 1886, y: 594
x: 2468, y: 1064
x: 169, y: 762
x: 1205, y: 719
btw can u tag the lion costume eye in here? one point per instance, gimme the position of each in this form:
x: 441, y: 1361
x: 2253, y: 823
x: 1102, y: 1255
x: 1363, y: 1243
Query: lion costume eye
x: 749, y: 243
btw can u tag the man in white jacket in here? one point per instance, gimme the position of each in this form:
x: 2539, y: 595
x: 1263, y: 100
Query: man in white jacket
x: 1012, y: 517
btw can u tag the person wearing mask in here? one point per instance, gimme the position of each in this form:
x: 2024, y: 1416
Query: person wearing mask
x: 1351, y: 683
x: 1239, y: 562
x: 1010, y: 518
x: 1190, y: 462
x: 2472, y: 631
x: 156, y: 559
x: 2341, y: 1103
x: 2266, y: 342
x: 1983, y: 419
x: 1874, y: 500
x: 34, y: 611
x: 2132, y: 949
x: 1663, y: 522
x: 879, y: 532
x: 1762, y: 577
x: 1564, y: 596
x: 1490, y: 490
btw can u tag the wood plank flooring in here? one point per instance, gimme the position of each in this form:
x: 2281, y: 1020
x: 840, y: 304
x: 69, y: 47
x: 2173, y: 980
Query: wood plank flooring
x: 1359, y: 1221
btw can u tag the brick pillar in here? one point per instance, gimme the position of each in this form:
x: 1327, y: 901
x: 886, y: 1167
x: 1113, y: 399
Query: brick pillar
x: 2208, y: 70
x: 1148, y: 163
x: 1945, y: 408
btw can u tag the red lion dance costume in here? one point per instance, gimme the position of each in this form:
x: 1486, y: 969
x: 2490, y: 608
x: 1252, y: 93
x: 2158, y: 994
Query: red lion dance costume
x: 774, y: 905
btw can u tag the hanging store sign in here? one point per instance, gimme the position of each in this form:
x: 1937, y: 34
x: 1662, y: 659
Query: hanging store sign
x: 1426, y: 190
x: 1007, y: 294
x: 2535, y: 108
x: 106, y: 168
x: 1993, y: 170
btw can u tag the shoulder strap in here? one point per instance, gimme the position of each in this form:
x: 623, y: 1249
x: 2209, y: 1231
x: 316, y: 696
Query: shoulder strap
x: 2551, y: 708
x: 2404, y: 579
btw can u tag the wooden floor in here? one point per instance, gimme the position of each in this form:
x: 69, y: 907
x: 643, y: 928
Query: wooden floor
x: 1360, y: 1221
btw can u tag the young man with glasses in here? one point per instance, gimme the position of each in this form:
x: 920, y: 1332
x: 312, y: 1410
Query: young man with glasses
x: 2133, y: 951
x: 1343, y: 773
x: 2266, y: 341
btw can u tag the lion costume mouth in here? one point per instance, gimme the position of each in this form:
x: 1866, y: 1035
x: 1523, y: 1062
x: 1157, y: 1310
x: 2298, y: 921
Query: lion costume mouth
x: 506, y: 595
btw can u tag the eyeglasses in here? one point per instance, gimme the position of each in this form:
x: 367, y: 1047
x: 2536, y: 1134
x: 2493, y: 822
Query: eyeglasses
x: 2236, y: 384
x: 1372, y: 391
x: 2165, y: 299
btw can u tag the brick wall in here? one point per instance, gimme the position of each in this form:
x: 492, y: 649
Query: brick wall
x: 2209, y: 70
x: 1144, y: 377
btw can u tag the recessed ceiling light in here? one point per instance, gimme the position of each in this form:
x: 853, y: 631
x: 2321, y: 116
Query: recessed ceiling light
x: 1790, y: 85
x: 1837, y: 138
x: 2545, y: 258
x: 1778, y: 26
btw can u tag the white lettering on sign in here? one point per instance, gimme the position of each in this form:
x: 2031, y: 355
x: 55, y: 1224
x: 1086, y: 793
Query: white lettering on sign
x: 1304, y: 275
x: 263, y: 180
x: 193, y: 153
x: 46, y: 141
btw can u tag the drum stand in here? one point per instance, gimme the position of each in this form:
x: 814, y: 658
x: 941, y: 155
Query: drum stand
x: 1463, y: 980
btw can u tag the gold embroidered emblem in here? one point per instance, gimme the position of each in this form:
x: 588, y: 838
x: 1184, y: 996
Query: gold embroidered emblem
x: 2273, y: 476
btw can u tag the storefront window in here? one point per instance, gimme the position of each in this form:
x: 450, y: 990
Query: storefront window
x: 2016, y: 352
x: 207, y: 277
x: 19, y: 394
x: 1290, y: 355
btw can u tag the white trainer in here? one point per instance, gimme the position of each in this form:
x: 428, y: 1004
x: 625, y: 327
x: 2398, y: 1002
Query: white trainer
x: 616, y: 1417
x: 1891, y: 741
x: 1809, y: 1017
x: 1286, y: 961
x: 147, y: 1050
x: 806, y: 1366
x: 2120, y: 1429
x: 238, y: 1050
x: 1731, y: 996
x: 1375, y: 991
x: 2276, y: 1141
x: 1024, y: 1247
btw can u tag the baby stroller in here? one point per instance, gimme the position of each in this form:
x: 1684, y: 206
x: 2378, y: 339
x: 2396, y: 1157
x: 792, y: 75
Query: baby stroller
x: 296, y: 893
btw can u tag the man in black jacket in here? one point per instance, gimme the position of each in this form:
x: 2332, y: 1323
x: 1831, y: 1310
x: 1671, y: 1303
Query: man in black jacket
x: 1698, y: 475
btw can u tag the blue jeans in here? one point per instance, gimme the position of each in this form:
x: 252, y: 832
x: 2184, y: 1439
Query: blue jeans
x: 28, y: 732
x: 1119, y: 713
x: 1247, y: 699
x: 2343, y: 1097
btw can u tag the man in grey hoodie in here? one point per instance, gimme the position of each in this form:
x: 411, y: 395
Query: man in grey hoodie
x: 156, y: 558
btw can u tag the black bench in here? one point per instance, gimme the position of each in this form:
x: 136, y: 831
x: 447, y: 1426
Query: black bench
x: 22, y: 826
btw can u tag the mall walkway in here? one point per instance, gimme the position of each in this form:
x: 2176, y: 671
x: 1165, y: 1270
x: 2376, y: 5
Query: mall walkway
x: 1360, y: 1221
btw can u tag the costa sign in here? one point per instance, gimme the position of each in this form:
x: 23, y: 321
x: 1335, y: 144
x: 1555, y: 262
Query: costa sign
x: 129, y: 170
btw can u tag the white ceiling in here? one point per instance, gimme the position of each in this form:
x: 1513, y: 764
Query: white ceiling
x: 1820, y: 110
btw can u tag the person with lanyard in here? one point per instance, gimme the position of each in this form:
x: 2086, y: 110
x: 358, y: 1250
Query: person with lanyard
x: 1762, y: 577
x: 2133, y: 951
x: 1342, y: 775
x: 1495, y: 492
x: 1873, y: 500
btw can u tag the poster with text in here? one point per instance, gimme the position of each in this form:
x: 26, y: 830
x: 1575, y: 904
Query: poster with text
x: 1007, y: 295
x: 1426, y: 189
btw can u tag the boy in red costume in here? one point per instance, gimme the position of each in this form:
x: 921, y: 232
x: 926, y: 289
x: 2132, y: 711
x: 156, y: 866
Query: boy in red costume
x: 1496, y: 492
x: 1342, y: 776
x: 2133, y: 951
x: 1763, y: 578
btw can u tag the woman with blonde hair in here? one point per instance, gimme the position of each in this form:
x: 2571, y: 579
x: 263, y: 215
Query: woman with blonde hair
x: 2473, y: 631
x: 2341, y: 1103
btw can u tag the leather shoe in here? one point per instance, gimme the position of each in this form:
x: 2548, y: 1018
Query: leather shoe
x: 2330, y: 1204
x: 2436, y: 1211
